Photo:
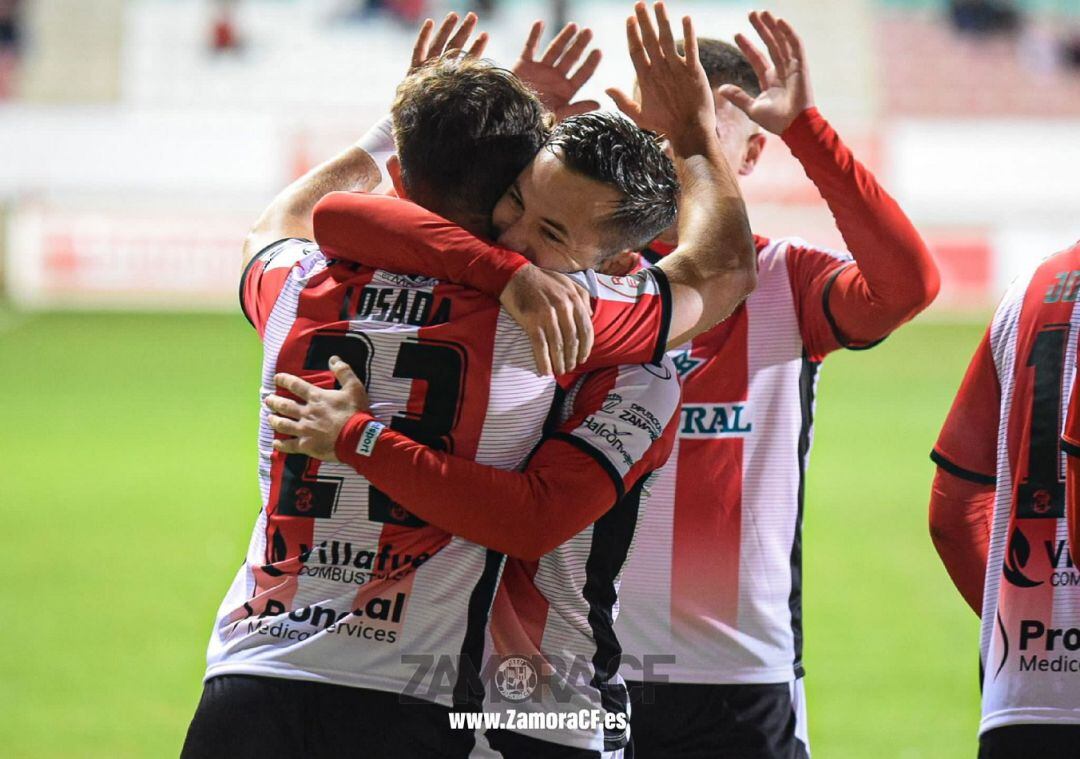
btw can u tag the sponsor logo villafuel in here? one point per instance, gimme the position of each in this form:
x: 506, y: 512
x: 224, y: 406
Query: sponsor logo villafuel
x: 1024, y: 569
x: 340, y: 561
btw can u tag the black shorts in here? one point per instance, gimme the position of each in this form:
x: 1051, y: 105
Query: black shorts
x: 511, y: 745
x: 1025, y: 741
x: 682, y: 721
x: 264, y: 717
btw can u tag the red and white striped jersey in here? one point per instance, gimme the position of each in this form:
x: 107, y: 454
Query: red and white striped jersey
x: 1004, y: 429
x: 557, y: 613
x: 715, y: 580
x: 340, y: 582
x: 1070, y: 444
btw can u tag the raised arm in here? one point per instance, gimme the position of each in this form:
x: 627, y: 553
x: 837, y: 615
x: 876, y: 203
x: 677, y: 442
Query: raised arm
x: 571, y: 480
x: 713, y: 268
x: 355, y: 169
x: 894, y: 276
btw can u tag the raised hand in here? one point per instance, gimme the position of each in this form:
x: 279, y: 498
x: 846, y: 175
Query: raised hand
x: 550, y: 76
x: 676, y: 100
x: 427, y: 49
x: 315, y: 424
x: 784, y: 77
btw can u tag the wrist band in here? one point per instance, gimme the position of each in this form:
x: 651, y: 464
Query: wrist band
x: 366, y: 444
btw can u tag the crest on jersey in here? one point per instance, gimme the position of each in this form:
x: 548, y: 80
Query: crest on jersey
x: 516, y: 678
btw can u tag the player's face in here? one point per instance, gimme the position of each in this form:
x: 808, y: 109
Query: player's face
x: 554, y: 216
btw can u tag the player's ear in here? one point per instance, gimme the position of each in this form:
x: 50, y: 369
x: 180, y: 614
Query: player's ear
x: 754, y: 145
x: 393, y: 168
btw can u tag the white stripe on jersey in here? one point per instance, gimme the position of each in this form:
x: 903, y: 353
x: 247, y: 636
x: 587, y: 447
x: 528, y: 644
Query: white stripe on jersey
x: 759, y: 645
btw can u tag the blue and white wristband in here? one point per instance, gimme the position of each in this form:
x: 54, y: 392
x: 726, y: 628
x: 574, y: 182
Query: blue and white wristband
x: 369, y: 437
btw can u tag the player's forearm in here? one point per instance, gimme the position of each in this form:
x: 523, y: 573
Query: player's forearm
x: 896, y: 276
x: 960, y: 530
x: 522, y: 514
x: 290, y: 213
x: 714, y: 267
x: 412, y: 240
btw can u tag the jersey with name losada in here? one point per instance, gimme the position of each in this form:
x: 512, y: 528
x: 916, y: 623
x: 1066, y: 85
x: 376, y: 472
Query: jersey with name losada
x: 341, y: 584
x: 1004, y: 429
x: 555, y: 616
x: 712, y: 592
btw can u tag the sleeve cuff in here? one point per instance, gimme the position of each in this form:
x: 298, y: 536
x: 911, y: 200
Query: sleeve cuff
x: 805, y: 131
x: 349, y: 439
x: 959, y: 471
x: 664, y: 287
x: 492, y: 271
x: 598, y: 457
x: 1070, y: 447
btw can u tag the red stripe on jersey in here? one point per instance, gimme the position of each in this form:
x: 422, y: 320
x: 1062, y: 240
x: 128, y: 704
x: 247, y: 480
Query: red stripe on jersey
x: 470, y: 407
x: 1033, y: 435
x: 288, y: 536
x: 520, y: 611
x: 708, y: 523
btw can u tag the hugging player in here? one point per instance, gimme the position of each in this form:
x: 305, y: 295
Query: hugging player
x: 447, y: 366
x: 714, y: 580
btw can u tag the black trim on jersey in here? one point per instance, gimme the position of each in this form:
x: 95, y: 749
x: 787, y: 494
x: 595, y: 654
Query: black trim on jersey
x: 1070, y: 448
x: 247, y: 270
x: 469, y: 687
x: 611, y: 539
x: 665, y: 312
x: 844, y: 342
x: 651, y: 256
x: 807, y: 377
x: 601, y: 459
x: 959, y: 471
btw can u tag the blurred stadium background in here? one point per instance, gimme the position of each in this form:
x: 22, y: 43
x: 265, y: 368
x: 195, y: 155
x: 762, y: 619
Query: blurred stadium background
x: 140, y: 138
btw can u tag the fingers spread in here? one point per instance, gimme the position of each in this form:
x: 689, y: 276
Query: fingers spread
x: 793, y: 41
x: 737, y: 97
x: 667, y: 39
x: 457, y: 42
x: 757, y: 21
x: 284, y: 426
x: 757, y: 59
x: 298, y: 387
x: 625, y: 103
x: 648, y: 33
x: 634, y: 44
x: 690, y: 46
x: 586, y: 70
x: 558, y: 45
x: 284, y: 406
x: 420, y: 49
x: 528, y: 53
x: 478, y: 47
x: 574, y: 52
x: 445, y: 30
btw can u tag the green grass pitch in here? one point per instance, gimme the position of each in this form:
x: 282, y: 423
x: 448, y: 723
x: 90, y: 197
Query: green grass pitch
x: 128, y: 488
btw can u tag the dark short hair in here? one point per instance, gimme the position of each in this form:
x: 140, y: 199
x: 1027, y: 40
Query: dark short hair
x: 724, y: 63
x: 611, y: 149
x: 464, y: 130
